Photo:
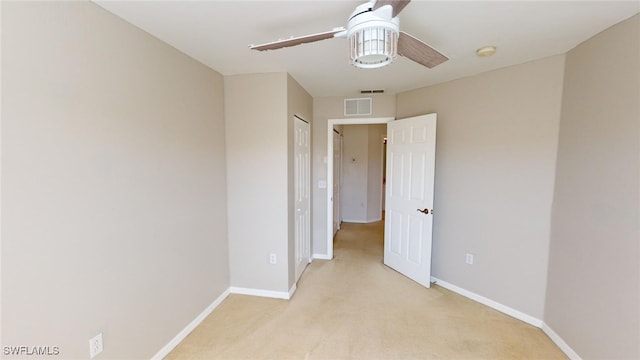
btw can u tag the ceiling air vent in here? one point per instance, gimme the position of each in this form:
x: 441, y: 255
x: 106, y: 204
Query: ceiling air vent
x: 354, y: 107
x: 372, y: 91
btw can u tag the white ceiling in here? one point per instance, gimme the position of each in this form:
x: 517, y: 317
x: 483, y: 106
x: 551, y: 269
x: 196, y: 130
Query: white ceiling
x: 217, y: 33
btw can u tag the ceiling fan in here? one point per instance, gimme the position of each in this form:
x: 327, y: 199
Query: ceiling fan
x: 374, y: 37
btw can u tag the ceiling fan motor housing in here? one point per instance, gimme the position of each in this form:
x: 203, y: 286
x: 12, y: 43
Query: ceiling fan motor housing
x: 373, y: 36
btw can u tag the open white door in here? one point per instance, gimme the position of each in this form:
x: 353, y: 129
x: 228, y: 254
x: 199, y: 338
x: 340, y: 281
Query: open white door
x: 302, y: 187
x: 411, y: 145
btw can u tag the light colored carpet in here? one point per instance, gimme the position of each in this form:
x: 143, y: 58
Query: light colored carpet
x: 354, y: 307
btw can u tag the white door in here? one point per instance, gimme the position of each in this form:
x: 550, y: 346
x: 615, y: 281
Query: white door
x: 302, y: 203
x: 337, y: 180
x: 411, y: 145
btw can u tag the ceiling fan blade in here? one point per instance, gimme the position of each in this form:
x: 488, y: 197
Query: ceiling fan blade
x: 397, y: 5
x: 297, y: 40
x: 416, y: 50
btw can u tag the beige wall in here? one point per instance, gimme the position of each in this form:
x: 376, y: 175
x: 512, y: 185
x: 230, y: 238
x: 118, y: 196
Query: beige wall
x: 495, y: 164
x: 593, y: 295
x: 326, y: 108
x: 113, y: 183
x: 260, y: 111
x: 115, y: 186
x: 257, y: 179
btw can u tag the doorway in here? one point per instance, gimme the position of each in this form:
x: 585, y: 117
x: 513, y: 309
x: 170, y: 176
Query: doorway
x: 330, y: 168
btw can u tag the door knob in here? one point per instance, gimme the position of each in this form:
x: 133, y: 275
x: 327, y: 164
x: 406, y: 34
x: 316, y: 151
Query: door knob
x: 425, y: 211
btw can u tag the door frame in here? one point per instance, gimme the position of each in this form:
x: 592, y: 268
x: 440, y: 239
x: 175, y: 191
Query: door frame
x: 383, y: 161
x: 340, y: 182
x: 330, y: 124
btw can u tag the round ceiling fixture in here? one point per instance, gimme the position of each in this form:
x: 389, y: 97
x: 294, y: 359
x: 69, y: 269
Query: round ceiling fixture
x: 486, y: 51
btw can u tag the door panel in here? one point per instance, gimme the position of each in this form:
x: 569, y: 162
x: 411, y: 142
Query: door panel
x: 417, y: 174
x: 414, y: 252
x: 393, y: 223
x: 410, y: 178
x: 396, y: 163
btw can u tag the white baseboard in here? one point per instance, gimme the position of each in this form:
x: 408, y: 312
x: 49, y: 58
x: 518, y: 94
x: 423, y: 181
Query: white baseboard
x: 490, y: 303
x: 514, y: 313
x: 571, y: 354
x: 189, y: 328
x: 292, y: 290
x: 321, y: 257
x: 263, y: 293
x: 566, y: 349
x: 361, y: 221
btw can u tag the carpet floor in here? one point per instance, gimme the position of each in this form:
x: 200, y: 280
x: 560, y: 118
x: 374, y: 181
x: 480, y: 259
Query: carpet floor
x: 354, y: 307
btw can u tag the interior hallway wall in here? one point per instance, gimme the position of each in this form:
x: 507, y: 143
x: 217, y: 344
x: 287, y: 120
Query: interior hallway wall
x: 362, y: 188
x: 495, y: 167
x: 594, y: 262
x: 355, y: 173
x: 113, y: 183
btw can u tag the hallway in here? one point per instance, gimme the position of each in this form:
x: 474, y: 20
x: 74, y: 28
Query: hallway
x: 354, y: 307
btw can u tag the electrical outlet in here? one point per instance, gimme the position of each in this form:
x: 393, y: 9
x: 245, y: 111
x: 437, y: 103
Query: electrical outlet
x: 272, y: 259
x: 469, y: 259
x: 95, y: 346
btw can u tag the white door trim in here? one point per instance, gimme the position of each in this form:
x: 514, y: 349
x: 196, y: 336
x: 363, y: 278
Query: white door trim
x: 336, y: 177
x: 330, y: 124
x: 381, y: 176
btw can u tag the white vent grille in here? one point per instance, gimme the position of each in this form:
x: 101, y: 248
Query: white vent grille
x: 353, y: 107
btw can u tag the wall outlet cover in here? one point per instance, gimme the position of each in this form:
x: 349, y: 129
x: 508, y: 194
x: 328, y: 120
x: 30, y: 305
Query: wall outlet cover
x: 95, y: 346
x: 469, y: 259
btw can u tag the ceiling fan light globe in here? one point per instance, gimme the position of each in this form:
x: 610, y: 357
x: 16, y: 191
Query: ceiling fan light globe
x: 373, y: 47
x: 372, y: 61
x: 373, y: 38
x: 372, y: 54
